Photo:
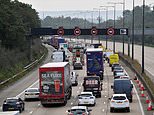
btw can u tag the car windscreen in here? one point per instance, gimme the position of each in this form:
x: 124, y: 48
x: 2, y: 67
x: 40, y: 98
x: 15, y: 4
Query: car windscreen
x: 119, y: 97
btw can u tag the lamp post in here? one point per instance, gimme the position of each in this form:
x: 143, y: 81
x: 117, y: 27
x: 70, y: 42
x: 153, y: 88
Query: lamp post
x: 133, y: 31
x: 123, y: 3
x: 107, y: 20
x: 143, y: 38
x: 114, y: 24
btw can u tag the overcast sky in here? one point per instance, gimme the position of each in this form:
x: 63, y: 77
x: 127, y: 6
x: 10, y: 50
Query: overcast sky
x: 60, y: 5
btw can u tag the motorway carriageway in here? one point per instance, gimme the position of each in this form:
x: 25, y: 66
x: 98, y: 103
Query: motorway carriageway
x: 101, y: 107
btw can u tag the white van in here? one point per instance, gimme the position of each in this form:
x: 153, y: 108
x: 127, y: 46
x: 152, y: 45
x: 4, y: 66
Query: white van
x: 74, y: 78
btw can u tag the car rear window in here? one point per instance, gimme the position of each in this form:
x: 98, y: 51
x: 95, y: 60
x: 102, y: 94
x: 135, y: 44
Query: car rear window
x: 77, y: 110
x: 119, y: 97
x: 85, y: 95
x: 12, y: 100
x: 32, y: 90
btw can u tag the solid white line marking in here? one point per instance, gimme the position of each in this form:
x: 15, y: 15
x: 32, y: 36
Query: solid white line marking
x: 72, y: 103
x: 104, y: 102
x: 77, y: 91
x: 138, y: 98
x: 27, y: 87
x: 103, y: 110
x: 79, y: 87
x: 105, y: 96
x: 39, y: 105
x: 81, y: 84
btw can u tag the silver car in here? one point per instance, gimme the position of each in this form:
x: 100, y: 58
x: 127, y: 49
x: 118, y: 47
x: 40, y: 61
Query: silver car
x: 31, y: 93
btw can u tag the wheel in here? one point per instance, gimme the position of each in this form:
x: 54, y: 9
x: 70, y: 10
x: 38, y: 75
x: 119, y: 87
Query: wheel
x: 23, y: 107
x: 131, y: 100
x: 65, y: 101
x: 20, y: 110
x: 70, y: 94
x: 128, y: 109
x: 111, y: 110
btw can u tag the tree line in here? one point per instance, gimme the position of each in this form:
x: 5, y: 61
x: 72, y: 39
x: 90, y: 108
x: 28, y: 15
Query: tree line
x: 16, y: 19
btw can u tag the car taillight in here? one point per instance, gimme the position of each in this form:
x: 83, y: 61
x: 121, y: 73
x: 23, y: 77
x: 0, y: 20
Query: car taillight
x: 112, y: 101
x: 126, y: 101
x: 80, y: 97
x: 91, y: 97
x: 83, y: 113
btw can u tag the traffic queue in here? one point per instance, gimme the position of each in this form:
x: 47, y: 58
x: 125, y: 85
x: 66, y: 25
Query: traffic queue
x: 56, y: 80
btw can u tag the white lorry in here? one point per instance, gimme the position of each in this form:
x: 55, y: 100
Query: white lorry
x: 58, y: 56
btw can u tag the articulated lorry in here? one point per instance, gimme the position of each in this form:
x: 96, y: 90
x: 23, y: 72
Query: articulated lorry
x: 55, y: 83
x: 95, y: 62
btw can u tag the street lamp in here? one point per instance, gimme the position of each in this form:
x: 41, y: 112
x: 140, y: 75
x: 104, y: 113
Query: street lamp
x: 143, y: 38
x: 107, y: 20
x: 123, y: 3
x: 133, y: 19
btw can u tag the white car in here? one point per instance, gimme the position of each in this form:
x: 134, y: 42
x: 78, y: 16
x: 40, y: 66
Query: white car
x: 31, y: 93
x: 119, y: 101
x: 74, y: 78
x: 86, y: 98
x: 79, y: 110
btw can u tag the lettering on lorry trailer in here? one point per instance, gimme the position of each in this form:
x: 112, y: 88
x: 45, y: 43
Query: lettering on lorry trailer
x: 51, y: 83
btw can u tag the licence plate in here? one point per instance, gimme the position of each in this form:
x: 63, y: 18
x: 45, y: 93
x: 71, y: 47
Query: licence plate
x: 85, y: 102
x: 10, y: 108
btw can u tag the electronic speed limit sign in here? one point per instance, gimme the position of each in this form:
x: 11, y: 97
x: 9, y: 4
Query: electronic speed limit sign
x: 77, y: 31
x: 60, y: 31
x: 110, y: 31
x: 94, y: 31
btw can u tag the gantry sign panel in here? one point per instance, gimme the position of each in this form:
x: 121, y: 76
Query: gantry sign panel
x: 78, y: 31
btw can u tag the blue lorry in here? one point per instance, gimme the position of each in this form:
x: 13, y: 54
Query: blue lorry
x: 56, y: 40
x: 95, y: 63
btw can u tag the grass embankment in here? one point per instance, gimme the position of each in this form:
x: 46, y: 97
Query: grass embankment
x: 18, y: 70
x: 138, y: 68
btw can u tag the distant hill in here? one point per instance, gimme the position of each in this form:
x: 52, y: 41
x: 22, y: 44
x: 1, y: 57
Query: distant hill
x: 80, y: 14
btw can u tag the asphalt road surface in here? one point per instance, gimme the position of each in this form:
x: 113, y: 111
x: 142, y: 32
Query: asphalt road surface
x: 102, y: 104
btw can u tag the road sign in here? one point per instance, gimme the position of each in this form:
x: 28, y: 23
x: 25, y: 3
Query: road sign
x: 60, y: 31
x: 94, y: 31
x: 77, y: 31
x: 110, y: 31
x: 123, y: 31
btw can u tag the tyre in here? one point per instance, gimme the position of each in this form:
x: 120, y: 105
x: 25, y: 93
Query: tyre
x: 131, y: 100
x: 70, y: 94
x: 128, y: 109
x: 65, y: 101
x: 111, y: 110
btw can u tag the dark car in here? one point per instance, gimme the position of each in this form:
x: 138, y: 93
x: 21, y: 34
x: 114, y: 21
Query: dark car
x: 13, y: 104
x: 115, y: 65
x: 117, y: 69
x: 77, y: 65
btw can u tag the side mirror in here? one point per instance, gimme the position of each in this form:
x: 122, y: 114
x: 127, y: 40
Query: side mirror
x: 111, y: 86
